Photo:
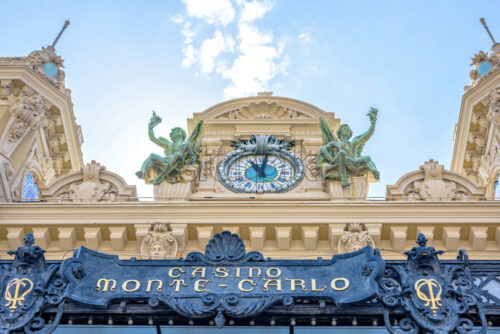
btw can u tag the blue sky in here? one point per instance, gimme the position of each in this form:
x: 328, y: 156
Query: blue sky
x: 123, y: 59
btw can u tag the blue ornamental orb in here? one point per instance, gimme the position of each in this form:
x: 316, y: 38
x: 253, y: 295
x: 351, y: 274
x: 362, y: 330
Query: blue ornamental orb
x: 484, y: 68
x: 50, y: 69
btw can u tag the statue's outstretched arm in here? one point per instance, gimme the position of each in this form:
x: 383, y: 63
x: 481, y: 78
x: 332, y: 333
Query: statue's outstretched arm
x: 155, y: 120
x: 363, y: 138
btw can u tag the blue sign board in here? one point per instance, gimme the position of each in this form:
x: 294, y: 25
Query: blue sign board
x: 225, y: 280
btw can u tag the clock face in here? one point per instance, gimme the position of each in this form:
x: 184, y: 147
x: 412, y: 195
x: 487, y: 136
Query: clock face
x: 263, y: 173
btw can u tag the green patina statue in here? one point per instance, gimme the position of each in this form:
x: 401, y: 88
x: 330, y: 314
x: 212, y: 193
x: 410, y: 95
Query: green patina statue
x: 178, y: 153
x: 340, y: 158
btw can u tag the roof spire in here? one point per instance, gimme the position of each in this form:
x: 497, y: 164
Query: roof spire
x: 495, y: 44
x: 66, y: 24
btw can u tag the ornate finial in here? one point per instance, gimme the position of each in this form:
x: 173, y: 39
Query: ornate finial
x: 66, y: 24
x: 495, y: 46
x: 421, y: 240
x: 29, y: 240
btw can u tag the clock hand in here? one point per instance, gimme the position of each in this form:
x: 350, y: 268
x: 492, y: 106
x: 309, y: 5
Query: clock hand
x: 254, y: 166
x: 262, y: 170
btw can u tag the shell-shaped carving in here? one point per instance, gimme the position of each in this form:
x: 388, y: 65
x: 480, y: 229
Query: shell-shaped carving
x: 225, y: 246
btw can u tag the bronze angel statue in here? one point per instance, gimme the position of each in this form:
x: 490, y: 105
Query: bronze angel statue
x: 179, y: 153
x: 340, y: 158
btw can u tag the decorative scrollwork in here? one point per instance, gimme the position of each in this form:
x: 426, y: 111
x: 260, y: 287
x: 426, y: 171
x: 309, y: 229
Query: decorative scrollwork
x: 433, y: 296
x: 30, y: 286
x: 225, y: 248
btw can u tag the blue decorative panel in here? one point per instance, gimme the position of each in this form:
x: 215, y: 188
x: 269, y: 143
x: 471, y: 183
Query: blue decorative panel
x: 224, y: 281
x: 30, y: 188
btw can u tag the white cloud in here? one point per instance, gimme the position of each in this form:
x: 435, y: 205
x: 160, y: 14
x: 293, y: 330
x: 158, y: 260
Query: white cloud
x: 178, y: 18
x: 211, y: 49
x: 189, y: 56
x: 249, y: 61
x: 212, y: 11
x: 188, y: 33
x: 305, y: 37
x: 253, y: 10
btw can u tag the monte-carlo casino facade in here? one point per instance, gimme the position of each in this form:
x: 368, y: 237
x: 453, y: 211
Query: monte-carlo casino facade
x: 260, y: 223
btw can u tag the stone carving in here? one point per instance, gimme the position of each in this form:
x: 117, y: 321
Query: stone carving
x: 49, y: 66
x: 263, y: 110
x: 312, y: 167
x: 6, y: 87
x: 432, y: 183
x: 493, y: 104
x: 92, y: 184
x: 355, y: 238
x: 159, y: 243
x: 28, y: 110
x: 483, y: 61
x: 341, y: 158
x: 179, y: 153
x: 209, y: 166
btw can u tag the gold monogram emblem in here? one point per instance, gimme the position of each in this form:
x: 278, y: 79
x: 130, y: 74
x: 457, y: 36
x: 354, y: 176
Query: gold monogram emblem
x: 15, y: 292
x: 429, y: 290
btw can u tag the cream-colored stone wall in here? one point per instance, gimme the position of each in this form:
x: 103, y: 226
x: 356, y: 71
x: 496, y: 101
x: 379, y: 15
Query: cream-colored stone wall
x: 281, y: 229
x: 38, y: 129
x: 85, y: 205
x: 285, y: 118
x: 477, y: 135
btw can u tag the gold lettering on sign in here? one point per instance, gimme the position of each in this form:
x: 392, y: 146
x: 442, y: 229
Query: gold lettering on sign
x: 271, y: 282
x: 313, y: 286
x: 240, y: 285
x: 432, y: 296
x: 171, y: 272
x: 221, y: 272
x: 13, y: 301
x: 105, y: 282
x: 177, y: 283
x: 151, y: 281
x: 250, y: 272
x: 334, y: 286
x: 134, y: 289
x: 277, y: 274
x: 199, y: 285
x: 294, y: 282
x: 238, y: 270
x: 201, y: 270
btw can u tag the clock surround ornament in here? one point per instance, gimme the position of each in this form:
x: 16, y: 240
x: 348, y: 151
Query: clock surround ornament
x: 261, y: 164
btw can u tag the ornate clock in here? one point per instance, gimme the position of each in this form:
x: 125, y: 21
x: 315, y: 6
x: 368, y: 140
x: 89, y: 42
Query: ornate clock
x: 262, y: 164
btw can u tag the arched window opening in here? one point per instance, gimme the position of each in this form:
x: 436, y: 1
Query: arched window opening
x: 496, y: 188
x: 30, y: 188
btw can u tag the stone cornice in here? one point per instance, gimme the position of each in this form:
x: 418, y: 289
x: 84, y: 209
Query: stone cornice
x: 209, y: 212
